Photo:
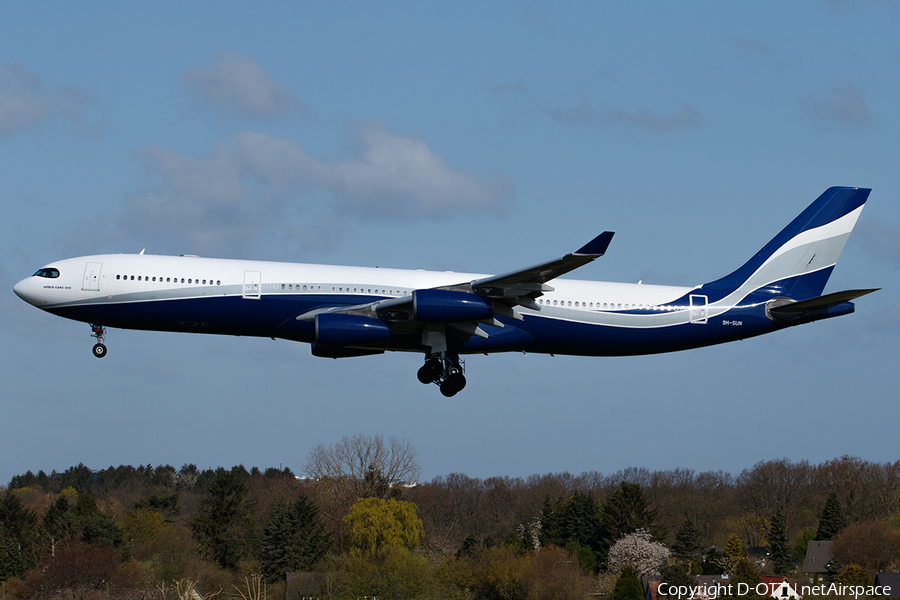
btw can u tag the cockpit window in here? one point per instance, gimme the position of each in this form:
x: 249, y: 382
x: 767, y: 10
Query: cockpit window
x: 50, y: 273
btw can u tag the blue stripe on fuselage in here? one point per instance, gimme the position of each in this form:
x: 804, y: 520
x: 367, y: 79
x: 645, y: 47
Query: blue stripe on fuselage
x: 274, y: 316
x: 228, y: 315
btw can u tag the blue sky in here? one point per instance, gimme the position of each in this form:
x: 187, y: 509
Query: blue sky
x: 456, y: 136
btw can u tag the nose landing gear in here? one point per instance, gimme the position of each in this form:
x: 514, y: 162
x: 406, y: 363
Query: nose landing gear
x: 99, y: 332
x: 446, y: 370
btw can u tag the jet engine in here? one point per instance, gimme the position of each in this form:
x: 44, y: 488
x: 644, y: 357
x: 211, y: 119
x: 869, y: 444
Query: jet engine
x: 447, y: 306
x: 334, y: 329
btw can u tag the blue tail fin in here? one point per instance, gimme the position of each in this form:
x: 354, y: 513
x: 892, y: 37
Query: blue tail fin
x: 799, y: 260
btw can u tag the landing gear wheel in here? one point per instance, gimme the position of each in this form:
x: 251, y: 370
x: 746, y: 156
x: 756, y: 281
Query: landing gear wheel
x: 457, y: 380
x: 447, y: 389
x: 444, y: 369
x: 430, y: 371
x: 453, y: 384
x: 98, y: 332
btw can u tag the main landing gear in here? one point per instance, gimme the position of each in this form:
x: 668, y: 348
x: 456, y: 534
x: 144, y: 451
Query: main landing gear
x: 446, y: 370
x: 99, y: 332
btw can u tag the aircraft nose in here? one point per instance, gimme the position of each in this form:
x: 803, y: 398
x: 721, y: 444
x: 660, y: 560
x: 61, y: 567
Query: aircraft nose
x: 21, y: 289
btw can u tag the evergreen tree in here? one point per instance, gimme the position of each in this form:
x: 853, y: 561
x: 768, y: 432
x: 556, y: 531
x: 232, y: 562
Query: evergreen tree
x: 82, y: 521
x: 712, y: 561
x: 81, y: 478
x: 223, y: 525
x: 471, y: 546
x: 733, y: 552
x: 551, y: 533
x: 581, y: 522
x: 628, y: 587
x: 802, y: 544
x: 625, y: 511
x: 734, y: 549
x: 164, y: 504
x: 832, y: 520
x: 687, y: 540
x: 20, y: 537
x: 96, y: 526
x: 293, y: 539
x: 574, y: 524
x: 778, y: 545
x: 60, y: 521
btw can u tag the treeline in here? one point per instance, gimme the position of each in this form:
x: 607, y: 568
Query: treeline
x: 115, y: 480
x: 459, y: 536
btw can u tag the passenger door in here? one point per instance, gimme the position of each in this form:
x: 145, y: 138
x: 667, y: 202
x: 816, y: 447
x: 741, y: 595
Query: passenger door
x: 92, y: 277
x: 252, y: 285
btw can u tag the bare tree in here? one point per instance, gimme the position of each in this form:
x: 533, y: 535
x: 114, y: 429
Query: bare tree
x: 868, y: 491
x: 776, y: 485
x: 360, y: 466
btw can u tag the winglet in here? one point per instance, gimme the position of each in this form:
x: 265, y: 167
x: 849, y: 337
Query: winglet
x: 598, y: 245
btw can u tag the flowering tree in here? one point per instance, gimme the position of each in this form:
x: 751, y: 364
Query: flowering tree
x: 637, y: 551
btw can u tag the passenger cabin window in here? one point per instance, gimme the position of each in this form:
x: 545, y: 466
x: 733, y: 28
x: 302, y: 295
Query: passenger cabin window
x: 48, y: 273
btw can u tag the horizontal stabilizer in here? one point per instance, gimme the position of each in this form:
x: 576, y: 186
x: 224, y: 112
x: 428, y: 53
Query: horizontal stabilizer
x: 819, y: 303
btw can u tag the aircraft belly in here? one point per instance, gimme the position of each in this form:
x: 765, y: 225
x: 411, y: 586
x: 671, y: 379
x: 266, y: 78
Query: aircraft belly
x: 229, y: 315
x: 569, y: 337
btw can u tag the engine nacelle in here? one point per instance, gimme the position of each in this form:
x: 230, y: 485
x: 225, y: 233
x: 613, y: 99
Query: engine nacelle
x: 333, y: 329
x: 338, y: 352
x: 446, y: 306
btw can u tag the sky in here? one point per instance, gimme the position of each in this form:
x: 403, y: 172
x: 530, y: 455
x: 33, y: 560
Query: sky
x: 465, y: 136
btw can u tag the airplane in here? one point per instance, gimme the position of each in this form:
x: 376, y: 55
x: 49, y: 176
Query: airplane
x: 344, y: 311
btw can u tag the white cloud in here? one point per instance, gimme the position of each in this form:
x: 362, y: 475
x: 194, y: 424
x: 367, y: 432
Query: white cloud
x: 386, y: 176
x: 259, y: 183
x: 685, y: 117
x: 583, y: 114
x: 240, y: 86
x: 880, y: 240
x: 25, y: 103
x: 844, y: 105
x: 518, y: 103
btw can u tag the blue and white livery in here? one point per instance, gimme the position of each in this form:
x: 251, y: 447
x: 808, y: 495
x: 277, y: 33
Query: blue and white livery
x: 357, y: 311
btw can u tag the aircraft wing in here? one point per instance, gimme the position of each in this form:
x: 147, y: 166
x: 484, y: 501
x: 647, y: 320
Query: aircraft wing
x: 529, y: 283
x: 516, y: 287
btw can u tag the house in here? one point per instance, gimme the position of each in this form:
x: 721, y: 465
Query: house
x: 780, y: 587
x: 818, y: 556
x: 891, y: 580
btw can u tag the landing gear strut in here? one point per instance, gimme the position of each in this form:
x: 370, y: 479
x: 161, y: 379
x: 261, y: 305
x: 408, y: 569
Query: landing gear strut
x: 446, y: 370
x: 99, y: 332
